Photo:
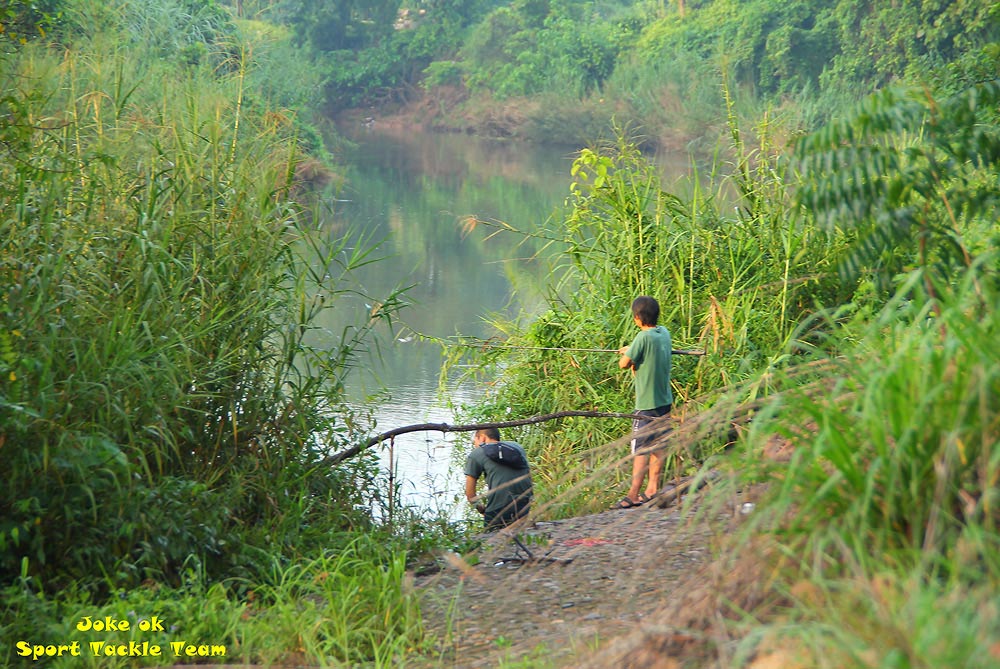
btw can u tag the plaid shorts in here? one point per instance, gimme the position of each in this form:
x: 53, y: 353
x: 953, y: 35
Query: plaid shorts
x: 639, y: 423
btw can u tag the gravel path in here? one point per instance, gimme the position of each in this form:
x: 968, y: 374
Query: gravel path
x: 594, y: 578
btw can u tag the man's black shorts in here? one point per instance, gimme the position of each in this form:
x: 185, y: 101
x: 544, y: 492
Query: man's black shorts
x: 639, y: 423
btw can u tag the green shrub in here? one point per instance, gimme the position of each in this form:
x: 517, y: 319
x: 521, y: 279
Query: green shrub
x: 736, y: 285
x: 158, y: 290
x: 443, y: 73
x: 347, y: 606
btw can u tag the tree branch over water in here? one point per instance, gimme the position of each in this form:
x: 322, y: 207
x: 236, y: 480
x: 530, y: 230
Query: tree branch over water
x: 724, y: 418
x: 471, y: 427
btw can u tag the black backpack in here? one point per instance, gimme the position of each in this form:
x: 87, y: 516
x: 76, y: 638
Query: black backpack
x: 505, y: 454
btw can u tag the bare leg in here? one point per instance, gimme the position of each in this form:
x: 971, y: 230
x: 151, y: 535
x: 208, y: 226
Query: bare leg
x: 657, y: 461
x: 640, y: 464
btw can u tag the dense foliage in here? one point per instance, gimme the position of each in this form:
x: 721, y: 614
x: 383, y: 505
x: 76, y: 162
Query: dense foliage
x: 916, y: 196
x: 136, y: 370
x: 375, y: 50
x: 656, y: 63
x: 880, y: 380
x: 164, y: 401
x: 21, y: 21
x: 146, y: 350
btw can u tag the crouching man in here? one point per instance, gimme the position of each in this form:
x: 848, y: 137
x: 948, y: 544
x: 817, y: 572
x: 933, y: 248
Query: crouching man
x: 508, y: 479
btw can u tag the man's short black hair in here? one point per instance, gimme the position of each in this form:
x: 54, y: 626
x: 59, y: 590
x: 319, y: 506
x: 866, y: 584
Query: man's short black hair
x: 491, y: 433
x: 646, y: 309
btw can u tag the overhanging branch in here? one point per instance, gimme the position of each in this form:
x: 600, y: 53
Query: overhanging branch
x: 472, y: 427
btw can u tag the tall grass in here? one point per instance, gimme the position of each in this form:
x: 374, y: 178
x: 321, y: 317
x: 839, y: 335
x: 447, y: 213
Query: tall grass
x: 903, y: 463
x: 154, y: 322
x: 734, y: 281
x: 164, y: 398
x: 887, y: 507
x: 338, y: 608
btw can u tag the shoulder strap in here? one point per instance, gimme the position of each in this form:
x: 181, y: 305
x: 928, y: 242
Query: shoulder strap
x: 505, y: 454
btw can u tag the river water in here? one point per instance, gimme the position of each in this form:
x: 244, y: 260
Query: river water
x: 417, y: 193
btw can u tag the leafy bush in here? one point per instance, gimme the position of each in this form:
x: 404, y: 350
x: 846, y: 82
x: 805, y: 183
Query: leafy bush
x: 21, y: 20
x: 735, y: 285
x: 158, y: 288
x: 510, y: 54
x: 443, y: 73
x: 914, y: 176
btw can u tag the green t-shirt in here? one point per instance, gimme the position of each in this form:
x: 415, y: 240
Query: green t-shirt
x: 650, y: 351
x: 511, y: 501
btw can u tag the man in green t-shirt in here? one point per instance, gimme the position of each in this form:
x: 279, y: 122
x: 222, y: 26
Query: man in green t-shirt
x: 648, y: 356
x: 508, y: 479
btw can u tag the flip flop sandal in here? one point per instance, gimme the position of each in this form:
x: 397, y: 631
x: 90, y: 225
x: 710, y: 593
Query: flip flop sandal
x: 643, y: 497
x: 626, y: 503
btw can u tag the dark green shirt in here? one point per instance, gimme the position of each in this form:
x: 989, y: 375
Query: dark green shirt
x: 512, y: 499
x: 650, y: 351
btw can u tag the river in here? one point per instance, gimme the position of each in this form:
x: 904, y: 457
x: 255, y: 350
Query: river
x: 417, y: 193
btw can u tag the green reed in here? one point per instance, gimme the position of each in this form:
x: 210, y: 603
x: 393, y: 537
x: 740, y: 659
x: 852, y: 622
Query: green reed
x: 349, y: 607
x: 164, y: 398
x: 733, y: 266
x: 886, y: 510
x: 154, y: 319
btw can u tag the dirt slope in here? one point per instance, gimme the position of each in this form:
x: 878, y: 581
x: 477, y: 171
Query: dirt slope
x: 620, y: 575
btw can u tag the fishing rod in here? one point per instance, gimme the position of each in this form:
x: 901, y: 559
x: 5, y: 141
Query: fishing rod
x: 514, y: 347
x: 567, y: 348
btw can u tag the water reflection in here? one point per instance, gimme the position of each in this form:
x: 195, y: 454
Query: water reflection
x: 417, y: 194
x: 430, y: 198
